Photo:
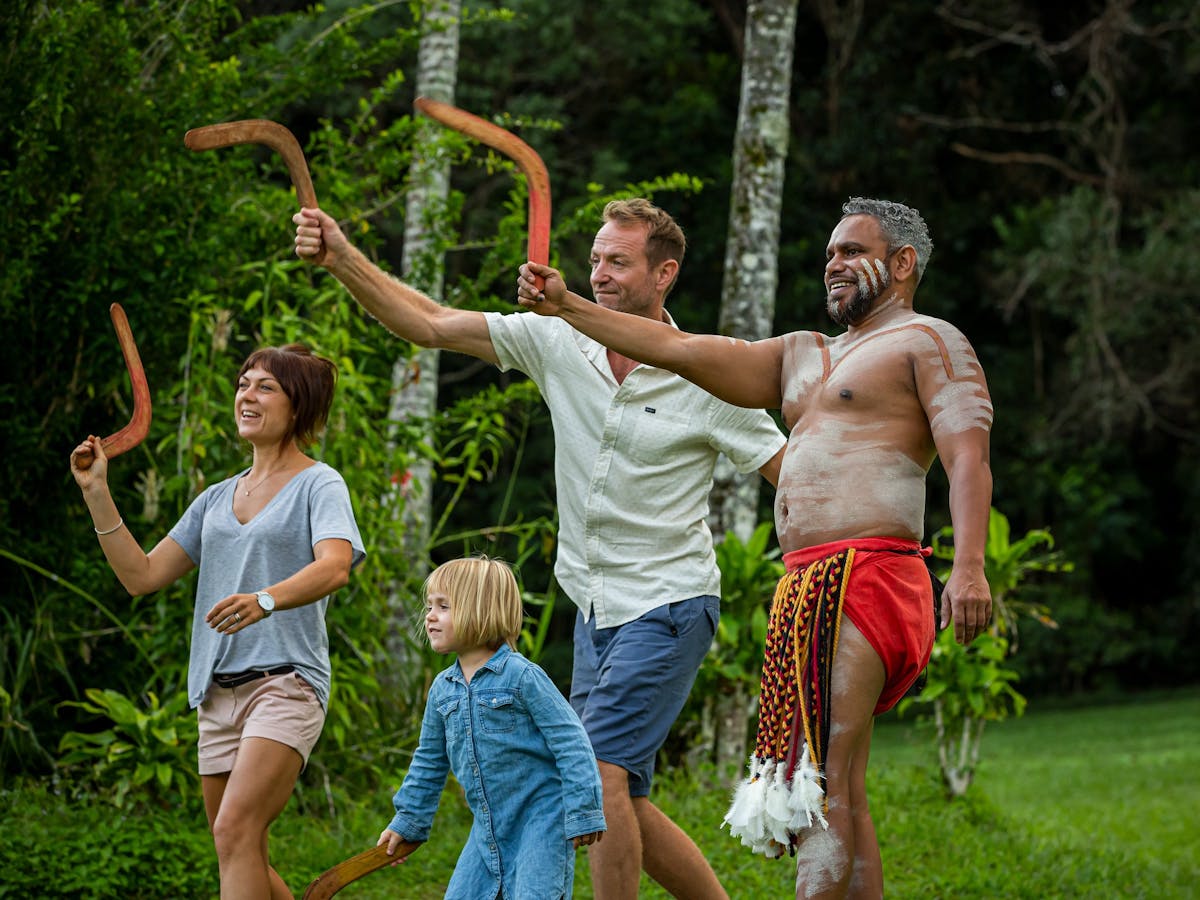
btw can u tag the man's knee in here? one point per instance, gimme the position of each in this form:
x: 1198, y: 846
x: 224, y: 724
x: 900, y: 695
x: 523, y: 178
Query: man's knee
x: 614, y: 780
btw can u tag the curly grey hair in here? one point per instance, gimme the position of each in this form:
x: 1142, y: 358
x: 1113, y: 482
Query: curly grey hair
x: 901, y: 225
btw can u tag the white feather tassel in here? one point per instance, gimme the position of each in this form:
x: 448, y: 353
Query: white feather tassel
x: 806, y: 799
x: 768, y: 809
x: 746, y: 813
x: 778, y: 814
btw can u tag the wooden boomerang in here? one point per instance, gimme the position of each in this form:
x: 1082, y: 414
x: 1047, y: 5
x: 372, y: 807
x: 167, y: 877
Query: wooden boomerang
x: 271, y: 134
x: 518, y: 151
x: 139, y: 423
x: 333, y: 880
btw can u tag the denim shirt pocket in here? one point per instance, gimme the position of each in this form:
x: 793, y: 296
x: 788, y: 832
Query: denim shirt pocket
x: 497, y: 711
x: 451, y: 721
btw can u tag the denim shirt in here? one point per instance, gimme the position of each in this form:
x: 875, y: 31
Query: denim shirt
x: 528, y: 772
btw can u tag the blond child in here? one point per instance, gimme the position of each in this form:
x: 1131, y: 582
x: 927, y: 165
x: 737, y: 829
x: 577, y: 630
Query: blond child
x: 516, y: 746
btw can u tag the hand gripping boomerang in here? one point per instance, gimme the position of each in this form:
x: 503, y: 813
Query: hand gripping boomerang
x: 333, y: 880
x: 139, y: 423
x: 518, y: 151
x: 271, y: 134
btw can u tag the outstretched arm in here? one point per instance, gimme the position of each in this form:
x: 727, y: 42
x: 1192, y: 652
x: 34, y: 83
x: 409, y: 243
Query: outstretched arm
x: 404, y: 310
x: 740, y: 372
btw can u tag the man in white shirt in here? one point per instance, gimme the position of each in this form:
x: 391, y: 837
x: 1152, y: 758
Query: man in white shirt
x: 635, y: 452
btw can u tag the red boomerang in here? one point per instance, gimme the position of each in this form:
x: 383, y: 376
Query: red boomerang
x: 518, y: 151
x: 139, y: 423
x: 270, y: 134
x: 333, y: 880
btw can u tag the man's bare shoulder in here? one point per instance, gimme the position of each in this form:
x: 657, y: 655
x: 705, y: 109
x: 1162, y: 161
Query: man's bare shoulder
x: 953, y: 350
x: 917, y: 331
x: 936, y: 325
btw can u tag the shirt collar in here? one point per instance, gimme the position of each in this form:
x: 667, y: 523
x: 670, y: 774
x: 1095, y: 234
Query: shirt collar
x: 597, y: 352
x: 494, y: 664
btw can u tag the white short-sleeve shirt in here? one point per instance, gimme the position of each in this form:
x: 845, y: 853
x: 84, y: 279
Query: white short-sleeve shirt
x: 633, y: 466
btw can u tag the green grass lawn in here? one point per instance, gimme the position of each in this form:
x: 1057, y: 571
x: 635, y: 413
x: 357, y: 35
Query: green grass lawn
x: 1094, y: 802
x: 1101, y: 801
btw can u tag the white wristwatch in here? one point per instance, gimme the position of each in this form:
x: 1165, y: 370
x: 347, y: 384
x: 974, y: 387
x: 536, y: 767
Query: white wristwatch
x: 266, y: 602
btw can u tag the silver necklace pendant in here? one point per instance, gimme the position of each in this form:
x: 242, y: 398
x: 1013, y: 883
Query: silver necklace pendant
x: 246, y: 491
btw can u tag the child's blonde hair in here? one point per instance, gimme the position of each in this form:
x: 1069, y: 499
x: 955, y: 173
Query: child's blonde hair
x: 485, y: 602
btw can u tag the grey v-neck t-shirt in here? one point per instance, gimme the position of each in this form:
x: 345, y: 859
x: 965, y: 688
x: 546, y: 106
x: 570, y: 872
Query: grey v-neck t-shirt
x: 236, y: 558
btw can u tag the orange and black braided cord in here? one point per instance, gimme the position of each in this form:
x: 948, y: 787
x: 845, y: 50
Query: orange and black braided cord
x: 801, y: 642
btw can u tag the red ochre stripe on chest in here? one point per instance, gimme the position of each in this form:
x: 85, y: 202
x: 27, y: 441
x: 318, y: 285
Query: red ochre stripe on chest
x: 827, y: 367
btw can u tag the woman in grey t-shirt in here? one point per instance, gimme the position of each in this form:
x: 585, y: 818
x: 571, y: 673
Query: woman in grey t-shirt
x: 272, y: 543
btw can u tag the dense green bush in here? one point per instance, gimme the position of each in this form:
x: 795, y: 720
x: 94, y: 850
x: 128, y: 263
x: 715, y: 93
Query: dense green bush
x: 145, y: 754
x: 88, y: 850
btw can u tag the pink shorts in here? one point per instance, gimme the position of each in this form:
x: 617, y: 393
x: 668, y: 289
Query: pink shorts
x: 889, y: 598
x: 282, y: 708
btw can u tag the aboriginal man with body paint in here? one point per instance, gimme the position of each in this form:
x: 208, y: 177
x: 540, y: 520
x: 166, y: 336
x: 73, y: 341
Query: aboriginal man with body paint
x: 852, y: 622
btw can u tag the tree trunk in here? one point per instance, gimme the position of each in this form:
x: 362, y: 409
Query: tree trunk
x: 751, y: 263
x: 415, y: 377
x: 752, y: 245
x: 958, y: 753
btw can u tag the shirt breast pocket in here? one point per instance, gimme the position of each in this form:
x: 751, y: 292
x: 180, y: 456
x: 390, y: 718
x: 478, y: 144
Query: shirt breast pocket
x: 448, y: 710
x: 656, y: 434
x: 497, y: 712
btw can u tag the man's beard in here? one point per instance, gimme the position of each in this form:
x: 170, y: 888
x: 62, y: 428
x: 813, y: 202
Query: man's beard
x: 854, y: 311
x: 870, y: 287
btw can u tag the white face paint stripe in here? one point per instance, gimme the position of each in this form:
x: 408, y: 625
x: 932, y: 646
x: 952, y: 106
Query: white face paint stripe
x: 870, y: 273
x: 881, y: 268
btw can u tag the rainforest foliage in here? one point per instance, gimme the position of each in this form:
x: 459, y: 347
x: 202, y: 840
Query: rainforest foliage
x: 1047, y: 145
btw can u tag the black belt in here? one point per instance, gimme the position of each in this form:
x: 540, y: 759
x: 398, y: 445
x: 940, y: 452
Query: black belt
x: 234, y: 679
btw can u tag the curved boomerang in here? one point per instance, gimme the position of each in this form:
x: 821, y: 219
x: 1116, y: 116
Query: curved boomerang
x: 333, y: 880
x: 139, y: 423
x: 518, y: 151
x: 270, y: 134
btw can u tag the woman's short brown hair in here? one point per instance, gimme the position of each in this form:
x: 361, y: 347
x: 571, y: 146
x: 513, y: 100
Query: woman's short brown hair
x: 485, y: 602
x: 307, y: 379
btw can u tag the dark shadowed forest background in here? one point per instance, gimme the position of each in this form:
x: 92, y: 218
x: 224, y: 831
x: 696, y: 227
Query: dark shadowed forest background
x: 1050, y: 147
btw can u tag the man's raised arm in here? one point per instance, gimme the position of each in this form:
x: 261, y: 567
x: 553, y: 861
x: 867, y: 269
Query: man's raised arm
x: 403, y: 310
x: 740, y: 372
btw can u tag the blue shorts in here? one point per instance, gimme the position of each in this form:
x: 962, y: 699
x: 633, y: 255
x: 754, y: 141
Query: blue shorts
x: 631, y: 681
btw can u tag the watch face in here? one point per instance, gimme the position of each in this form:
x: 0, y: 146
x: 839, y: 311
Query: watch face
x: 266, y: 601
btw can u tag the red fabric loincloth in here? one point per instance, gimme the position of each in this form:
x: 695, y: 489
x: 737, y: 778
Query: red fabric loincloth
x: 889, y: 598
x: 883, y: 586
